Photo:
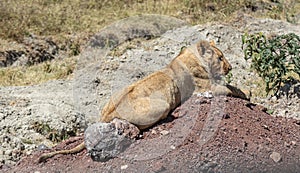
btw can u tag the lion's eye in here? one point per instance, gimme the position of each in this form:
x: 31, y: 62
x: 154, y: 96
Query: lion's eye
x: 220, y: 58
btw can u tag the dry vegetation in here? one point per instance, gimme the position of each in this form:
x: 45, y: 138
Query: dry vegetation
x: 76, y: 20
x: 28, y: 75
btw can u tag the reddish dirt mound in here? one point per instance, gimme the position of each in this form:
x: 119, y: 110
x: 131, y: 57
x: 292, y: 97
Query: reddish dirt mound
x: 241, y: 138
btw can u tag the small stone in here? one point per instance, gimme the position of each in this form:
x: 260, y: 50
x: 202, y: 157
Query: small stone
x: 199, y: 94
x: 8, y: 152
x: 173, y: 147
x: 156, y: 48
x: 154, y: 132
x: 28, y: 152
x: 226, y: 116
x: 158, y: 167
x: 42, y: 147
x: 208, y: 94
x: 276, y: 157
x: 164, y: 132
x: 124, y: 167
x: 286, y: 144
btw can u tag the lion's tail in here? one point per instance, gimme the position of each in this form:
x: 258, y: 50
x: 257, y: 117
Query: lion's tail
x: 76, y: 149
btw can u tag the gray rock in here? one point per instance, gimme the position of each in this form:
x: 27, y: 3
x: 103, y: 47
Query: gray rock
x: 142, y: 26
x: 103, y: 141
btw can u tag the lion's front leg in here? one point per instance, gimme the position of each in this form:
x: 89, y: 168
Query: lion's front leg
x: 229, y: 90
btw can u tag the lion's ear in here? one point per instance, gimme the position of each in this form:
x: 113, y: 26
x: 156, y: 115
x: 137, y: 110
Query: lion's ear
x: 203, y: 47
x: 212, y: 43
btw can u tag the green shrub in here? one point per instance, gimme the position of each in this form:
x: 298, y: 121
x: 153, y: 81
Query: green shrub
x: 276, y: 59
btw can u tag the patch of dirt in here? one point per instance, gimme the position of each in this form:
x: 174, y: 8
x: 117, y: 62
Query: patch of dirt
x: 244, y: 139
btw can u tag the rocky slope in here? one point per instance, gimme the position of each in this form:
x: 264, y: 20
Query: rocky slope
x: 30, y: 116
x: 243, y: 138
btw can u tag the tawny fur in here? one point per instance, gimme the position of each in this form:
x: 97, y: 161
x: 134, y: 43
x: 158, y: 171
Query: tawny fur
x: 197, y: 68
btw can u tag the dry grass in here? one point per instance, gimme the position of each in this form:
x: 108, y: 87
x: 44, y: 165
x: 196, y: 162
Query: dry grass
x: 19, y: 18
x: 29, y: 75
x: 62, y: 19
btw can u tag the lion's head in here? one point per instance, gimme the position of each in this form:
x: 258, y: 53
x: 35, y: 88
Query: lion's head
x: 213, y: 59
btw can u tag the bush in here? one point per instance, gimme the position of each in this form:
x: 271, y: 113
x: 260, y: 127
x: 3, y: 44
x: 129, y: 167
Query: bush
x: 276, y: 59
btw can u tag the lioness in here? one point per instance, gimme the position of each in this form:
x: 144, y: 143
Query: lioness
x: 197, y: 68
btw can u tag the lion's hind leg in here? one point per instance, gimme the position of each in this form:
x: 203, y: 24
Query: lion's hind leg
x: 148, y: 111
